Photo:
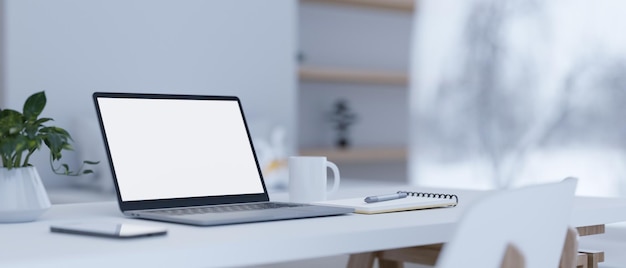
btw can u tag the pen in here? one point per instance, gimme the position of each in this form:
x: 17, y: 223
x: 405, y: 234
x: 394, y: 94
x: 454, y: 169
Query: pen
x: 380, y: 198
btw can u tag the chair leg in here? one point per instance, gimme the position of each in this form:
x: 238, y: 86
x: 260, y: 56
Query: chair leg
x: 593, y: 257
x: 581, y: 261
x: 513, y: 258
x: 570, y: 249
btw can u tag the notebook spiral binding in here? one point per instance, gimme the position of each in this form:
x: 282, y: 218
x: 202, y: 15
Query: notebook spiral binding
x: 433, y: 195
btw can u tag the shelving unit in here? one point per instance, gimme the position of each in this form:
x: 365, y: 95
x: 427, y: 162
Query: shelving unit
x: 332, y: 73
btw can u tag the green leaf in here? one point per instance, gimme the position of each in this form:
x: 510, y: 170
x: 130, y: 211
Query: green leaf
x: 55, y: 143
x: 14, y: 130
x: 56, y: 131
x: 11, y: 122
x: 34, y: 105
x: 42, y: 120
x: 62, y: 132
x: 91, y: 162
x: 7, y: 147
x: 21, y: 144
x: 10, y: 113
x: 87, y: 171
x: 32, y: 127
x: 33, y: 144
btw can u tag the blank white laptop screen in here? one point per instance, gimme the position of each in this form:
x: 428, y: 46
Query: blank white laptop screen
x: 164, y: 148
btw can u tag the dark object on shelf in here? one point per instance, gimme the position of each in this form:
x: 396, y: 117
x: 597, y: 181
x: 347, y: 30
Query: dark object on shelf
x: 300, y: 57
x: 342, y: 117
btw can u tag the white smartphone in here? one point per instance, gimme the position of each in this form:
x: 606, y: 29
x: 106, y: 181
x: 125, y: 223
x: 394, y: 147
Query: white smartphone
x: 114, y: 230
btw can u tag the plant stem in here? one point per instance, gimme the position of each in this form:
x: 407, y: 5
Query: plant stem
x: 18, y: 160
x: 52, y: 167
x: 56, y: 170
x: 11, y: 162
x: 30, y: 152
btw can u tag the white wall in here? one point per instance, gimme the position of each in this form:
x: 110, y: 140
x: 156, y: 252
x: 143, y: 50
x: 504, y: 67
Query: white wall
x: 71, y: 48
x: 2, y: 19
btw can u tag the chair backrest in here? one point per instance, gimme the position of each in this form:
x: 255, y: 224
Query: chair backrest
x: 534, y: 219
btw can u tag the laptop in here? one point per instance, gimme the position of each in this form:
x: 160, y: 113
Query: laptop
x: 188, y: 159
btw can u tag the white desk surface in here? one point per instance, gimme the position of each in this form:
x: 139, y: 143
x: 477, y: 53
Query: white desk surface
x: 32, y: 244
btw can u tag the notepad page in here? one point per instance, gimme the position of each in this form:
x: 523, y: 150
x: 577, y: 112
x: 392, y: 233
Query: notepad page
x: 403, y: 204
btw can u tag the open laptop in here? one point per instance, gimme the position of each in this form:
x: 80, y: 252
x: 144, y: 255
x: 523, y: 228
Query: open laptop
x: 188, y: 159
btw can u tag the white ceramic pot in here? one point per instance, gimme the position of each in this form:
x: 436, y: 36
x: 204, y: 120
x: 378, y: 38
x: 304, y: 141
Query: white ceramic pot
x: 23, y: 197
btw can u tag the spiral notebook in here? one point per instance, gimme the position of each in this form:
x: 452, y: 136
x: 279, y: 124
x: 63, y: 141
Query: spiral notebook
x: 414, y: 201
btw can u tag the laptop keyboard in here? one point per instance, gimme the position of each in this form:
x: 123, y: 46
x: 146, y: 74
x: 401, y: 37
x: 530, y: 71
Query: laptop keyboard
x: 225, y: 208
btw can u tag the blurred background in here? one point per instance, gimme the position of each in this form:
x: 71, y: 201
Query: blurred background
x: 517, y: 92
x: 482, y: 94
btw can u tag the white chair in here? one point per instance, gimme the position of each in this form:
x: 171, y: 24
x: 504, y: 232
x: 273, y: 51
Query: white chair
x: 524, y: 227
x: 532, y: 221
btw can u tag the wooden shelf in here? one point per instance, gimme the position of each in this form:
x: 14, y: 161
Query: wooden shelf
x: 359, y: 155
x: 396, y: 5
x: 326, y: 74
x: 337, y: 75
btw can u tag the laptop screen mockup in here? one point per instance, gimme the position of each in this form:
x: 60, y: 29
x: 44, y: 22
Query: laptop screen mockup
x: 163, y: 148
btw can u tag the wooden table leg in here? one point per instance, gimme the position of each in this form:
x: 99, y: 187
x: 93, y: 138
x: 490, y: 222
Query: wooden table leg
x: 389, y: 264
x: 428, y: 254
x: 360, y: 260
x: 394, y: 258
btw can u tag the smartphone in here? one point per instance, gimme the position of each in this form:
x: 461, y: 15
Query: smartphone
x: 113, y: 230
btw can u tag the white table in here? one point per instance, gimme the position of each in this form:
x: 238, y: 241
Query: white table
x: 32, y: 245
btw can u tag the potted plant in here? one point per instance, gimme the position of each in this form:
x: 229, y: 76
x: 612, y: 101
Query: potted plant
x: 22, y: 195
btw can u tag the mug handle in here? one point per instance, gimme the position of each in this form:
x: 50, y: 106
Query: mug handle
x: 336, y: 176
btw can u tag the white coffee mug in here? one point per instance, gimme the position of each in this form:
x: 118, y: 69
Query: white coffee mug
x: 308, y: 178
